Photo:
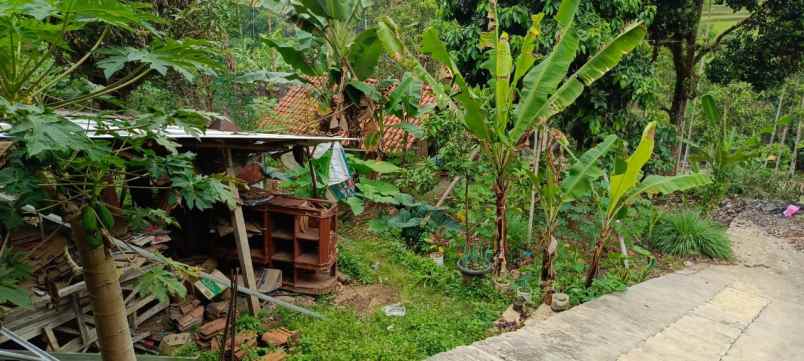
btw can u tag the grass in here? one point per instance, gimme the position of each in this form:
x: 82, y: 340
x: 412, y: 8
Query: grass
x: 688, y: 233
x: 442, y: 312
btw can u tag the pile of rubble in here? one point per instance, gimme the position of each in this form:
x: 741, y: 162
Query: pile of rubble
x: 61, y: 314
x: 205, y: 317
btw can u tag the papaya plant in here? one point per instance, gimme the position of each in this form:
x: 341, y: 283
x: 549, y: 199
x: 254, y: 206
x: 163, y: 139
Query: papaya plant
x: 34, y: 34
x: 625, y: 186
x: 525, y: 94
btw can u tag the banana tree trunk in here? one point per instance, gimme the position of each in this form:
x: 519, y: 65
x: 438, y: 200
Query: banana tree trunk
x: 501, y: 195
x: 548, y: 271
x: 594, y: 266
x: 106, y: 296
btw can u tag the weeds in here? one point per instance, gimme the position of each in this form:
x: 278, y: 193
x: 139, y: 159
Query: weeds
x: 688, y: 233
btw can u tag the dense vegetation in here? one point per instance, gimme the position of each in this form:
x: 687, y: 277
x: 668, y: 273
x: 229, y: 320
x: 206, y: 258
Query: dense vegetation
x: 575, y: 146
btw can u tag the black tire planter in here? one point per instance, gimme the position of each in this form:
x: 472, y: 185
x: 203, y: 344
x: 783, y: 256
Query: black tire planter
x: 472, y: 272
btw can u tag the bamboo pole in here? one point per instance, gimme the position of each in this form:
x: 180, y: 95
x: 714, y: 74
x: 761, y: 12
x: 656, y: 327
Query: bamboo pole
x: 776, y: 122
x: 794, y: 155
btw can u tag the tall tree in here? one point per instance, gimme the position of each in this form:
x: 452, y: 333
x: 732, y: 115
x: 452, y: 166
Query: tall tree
x: 777, y: 23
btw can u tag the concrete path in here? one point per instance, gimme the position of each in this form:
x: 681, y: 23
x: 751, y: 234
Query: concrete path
x: 750, y: 311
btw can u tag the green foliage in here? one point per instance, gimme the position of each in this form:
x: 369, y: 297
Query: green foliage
x: 369, y: 166
x: 419, y: 178
x: 425, y: 330
x: 13, y: 271
x: 625, y: 186
x: 249, y: 322
x: 160, y: 283
x: 138, y: 219
x: 35, y: 33
x: 355, y: 265
x: 723, y: 153
x: 689, y: 233
x: 765, y: 49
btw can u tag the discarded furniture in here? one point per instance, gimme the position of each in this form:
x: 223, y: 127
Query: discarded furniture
x: 296, y: 236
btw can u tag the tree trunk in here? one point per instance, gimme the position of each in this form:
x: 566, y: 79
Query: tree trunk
x: 500, y: 262
x: 681, y: 93
x: 684, y: 50
x: 594, y: 266
x: 548, y: 271
x: 106, y: 296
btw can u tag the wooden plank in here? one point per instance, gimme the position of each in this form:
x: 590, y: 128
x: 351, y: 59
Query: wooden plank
x: 52, y: 341
x: 82, y: 326
x: 241, y: 238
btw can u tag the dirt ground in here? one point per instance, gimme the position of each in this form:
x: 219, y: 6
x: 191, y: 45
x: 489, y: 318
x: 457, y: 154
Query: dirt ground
x: 365, y: 299
x: 768, y: 216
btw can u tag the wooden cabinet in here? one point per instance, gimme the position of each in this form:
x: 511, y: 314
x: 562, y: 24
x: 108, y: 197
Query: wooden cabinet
x: 297, y: 236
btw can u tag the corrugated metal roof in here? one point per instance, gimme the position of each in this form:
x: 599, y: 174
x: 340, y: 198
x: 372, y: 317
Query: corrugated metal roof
x: 180, y: 134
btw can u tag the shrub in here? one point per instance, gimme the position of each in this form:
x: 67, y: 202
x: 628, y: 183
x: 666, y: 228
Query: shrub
x: 688, y: 233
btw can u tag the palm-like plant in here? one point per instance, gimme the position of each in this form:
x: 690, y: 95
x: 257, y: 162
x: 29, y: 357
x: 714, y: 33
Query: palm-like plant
x: 525, y: 94
x: 625, y: 187
x: 723, y: 153
x: 555, y: 193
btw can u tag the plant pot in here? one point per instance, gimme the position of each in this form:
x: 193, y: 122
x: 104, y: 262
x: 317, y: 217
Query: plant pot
x: 438, y: 258
x: 470, y: 273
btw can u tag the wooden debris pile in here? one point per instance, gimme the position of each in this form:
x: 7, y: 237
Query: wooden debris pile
x: 61, y: 316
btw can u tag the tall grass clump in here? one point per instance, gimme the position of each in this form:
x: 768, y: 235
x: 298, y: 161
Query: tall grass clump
x: 689, y: 233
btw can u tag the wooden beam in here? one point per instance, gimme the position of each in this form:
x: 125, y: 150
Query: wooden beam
x: 241, y: 238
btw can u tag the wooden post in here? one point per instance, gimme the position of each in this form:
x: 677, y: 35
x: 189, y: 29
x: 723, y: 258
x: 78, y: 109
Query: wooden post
x: 537, y: 150
x: 794, y: 155
x: 241, y: 238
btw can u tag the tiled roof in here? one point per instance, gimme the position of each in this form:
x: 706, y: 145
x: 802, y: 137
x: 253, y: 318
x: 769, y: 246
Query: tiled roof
x: 297, y: 113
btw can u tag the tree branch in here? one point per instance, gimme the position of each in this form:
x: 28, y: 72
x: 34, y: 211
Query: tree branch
x: 719, y: 39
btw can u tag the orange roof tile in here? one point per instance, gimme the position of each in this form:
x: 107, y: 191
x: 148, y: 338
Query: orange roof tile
x: 297, y: 113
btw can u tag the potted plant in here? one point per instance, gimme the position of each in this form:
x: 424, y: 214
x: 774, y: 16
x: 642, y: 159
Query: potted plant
x: 436, y: 243
x: 474, y: 262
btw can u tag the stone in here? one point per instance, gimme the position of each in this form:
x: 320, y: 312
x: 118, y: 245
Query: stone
x: 561, y: 302
x: 217, y: 310
x: 172, y: 342
x: 275, y: 356
x: 280, y: 337
x: 509, y: 320
x: 212, y: 328
x: 192, y: 319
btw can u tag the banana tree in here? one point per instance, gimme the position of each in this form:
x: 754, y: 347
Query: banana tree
x: 525, y: 94
x: 327, y: 45
x: 723, y: 153
x: 625, y: 188
x: 556, y: 194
